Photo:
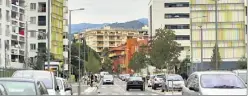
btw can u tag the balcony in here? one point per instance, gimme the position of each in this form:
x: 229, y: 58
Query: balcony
x: 66, y: 29
x: 14, y: 37
x: 42, y: 7
x: 22, y: 39
x: 14, y: 52
x: 65, y: 41
x: 21, y: 18
x: 65, y: 54
x: 14, y: 15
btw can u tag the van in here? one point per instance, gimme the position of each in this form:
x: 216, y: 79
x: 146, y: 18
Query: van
x: 47, y: 77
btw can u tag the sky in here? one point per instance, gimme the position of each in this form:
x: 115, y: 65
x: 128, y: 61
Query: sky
x: 108, y: 11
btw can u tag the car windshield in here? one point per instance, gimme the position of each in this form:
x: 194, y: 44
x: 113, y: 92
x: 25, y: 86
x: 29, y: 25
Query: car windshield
x: 45, y: 77
x: 243, y: 76
x: 19, y: 88
x: 135, y: 79
x: 60, y: 84
x: 108, y: 76
x: 175, y: 78
x: 221, y: 81
x: 160, y: 76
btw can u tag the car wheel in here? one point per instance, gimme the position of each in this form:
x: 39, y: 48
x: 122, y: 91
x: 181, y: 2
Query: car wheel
x: 142, y: 89
x: 162, y: 90
x: 127, y: 89
x: 154, y: 87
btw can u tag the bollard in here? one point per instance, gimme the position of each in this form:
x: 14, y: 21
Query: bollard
x: 172, y: 88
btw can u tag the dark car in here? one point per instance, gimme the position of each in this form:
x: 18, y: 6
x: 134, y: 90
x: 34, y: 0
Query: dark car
x: 21, y: 86
x: 135, y: 83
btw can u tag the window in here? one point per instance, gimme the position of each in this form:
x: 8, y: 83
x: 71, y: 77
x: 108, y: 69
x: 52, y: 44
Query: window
x: 32, y: 6
x: 41, y: 20
x: 1, y: 1
x: 178, y: 4
x: 42, y: 7
x: 8, y: 3
x: 32, y: 46
x: 0, y: 13
x: 33, y: 34
x: 7, y: 16
x: 182, y: 37
x: 178, y: 15
x: 42, y: 88
x: 180, y: 26
x: 33, y: 20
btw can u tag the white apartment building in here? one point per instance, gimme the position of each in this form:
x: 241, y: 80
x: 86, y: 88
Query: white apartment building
x: 172, y: 14
x: 38, y: 21
x: 12, y: 33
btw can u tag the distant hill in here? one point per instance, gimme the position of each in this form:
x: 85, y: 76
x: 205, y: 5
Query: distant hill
x: 135, y: 24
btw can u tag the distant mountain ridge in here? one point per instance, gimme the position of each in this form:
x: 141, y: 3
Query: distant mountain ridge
x: 135, y: 24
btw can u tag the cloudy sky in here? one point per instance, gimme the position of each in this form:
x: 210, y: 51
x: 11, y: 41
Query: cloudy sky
x: 108, y: 11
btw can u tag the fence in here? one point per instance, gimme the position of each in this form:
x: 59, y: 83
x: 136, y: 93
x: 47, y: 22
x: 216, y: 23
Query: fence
x: 7, y: 72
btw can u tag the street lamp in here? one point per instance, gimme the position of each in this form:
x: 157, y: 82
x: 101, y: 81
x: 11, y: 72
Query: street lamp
x: 79, y: 9
x: 192, y: 40
x: 201, y: 48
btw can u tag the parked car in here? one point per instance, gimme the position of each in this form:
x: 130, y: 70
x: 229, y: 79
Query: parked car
x: 3, y: 91
x: 242, y: 74
x: 21, y: 86
x: 108, y: 79
x: 214, y: 83
x: 157, y: 81
x: 135, y: 83
x: 46, y: 77
x: 64, y: 87
x: 103, y: 73
x: 172, y: 82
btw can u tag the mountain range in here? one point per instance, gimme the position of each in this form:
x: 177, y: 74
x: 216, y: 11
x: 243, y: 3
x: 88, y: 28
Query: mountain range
x: 135, y: 24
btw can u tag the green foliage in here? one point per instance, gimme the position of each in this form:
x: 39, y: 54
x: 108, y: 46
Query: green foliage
x: 242, y: 63
x: 93, y: 65
x: 213, y: 58
x: 164, y: 48
x: 138, y: 61
x: 183, y: 66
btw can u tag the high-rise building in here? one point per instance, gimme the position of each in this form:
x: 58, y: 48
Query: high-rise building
x: 98, y: 39
x: 38, y: 23
x: 174, y: 15
x: 230, y: 31
x: 12, y: 33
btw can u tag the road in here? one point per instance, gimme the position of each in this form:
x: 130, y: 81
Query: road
x: 119, y: 88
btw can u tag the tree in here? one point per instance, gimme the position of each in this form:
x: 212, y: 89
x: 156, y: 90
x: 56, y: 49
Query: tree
x: 163, y: 48
x: 242, y: 63
x: 93, y: 65
x: 183, y: 66
x: 107, y: 62
x: 138, y: 61
x: 213, y: 58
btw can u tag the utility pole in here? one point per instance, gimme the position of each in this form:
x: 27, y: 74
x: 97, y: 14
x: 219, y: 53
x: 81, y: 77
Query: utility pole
x: 69, y: 36
x: 79, y: 66
x: 26, y: 46
x: 247, y: 49
x: 216, y: 34
x: 201, y: 48
x: 48, y: 33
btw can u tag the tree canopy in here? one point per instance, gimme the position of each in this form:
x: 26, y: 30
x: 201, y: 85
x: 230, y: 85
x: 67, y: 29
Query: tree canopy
x: 163, y: 48
x: 213, y: 58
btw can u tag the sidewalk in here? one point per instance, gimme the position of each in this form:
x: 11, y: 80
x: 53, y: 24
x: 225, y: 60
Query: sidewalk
x: 86, y: 89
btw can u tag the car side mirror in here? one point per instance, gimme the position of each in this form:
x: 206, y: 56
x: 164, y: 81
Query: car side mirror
x: 68, y: 89
x: 194, y: 89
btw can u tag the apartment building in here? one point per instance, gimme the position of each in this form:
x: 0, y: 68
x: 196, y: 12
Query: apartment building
x: 231, y: 31
x: 12, y: 33
x: 38, y: 21
x: 174, y: 15
x: 98, y: 39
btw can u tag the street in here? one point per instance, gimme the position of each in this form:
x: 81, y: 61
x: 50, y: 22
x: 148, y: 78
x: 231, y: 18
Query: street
x: 119, y: 88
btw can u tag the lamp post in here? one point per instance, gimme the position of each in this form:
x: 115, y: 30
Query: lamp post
x: 201, y: 48
x: 191, y: 30
x: 70, y: 40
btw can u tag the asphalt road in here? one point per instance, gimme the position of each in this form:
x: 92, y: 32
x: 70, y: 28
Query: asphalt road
x: 119, y: 88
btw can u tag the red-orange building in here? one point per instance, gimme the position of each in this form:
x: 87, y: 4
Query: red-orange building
x: 122, y: 54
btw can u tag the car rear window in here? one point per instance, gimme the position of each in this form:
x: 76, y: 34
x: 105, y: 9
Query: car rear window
x: 135, y: 79
x: 45, y: 77
x: 19, y: 88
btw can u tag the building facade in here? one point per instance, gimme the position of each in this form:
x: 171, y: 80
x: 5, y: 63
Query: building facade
x: 230, y: 33
x: 108, y: 38
x: 12, y: 33
x: 38, y: 23
x: 174, y: 15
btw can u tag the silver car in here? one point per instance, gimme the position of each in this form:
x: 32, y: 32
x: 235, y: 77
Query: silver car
x: 172, y: 82
x: 108, y: 79
x: 242, y: 74
x: 214, y: 83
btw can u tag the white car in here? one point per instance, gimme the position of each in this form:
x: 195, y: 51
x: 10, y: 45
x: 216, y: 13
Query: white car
x: 64, y: 87
x: 172, y: 82
x: 157, y: 81
x: 47, y: 77
x: 214, y: 83
x: 108, y: 79
x: 103, y: 73
x: 242, y: 74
